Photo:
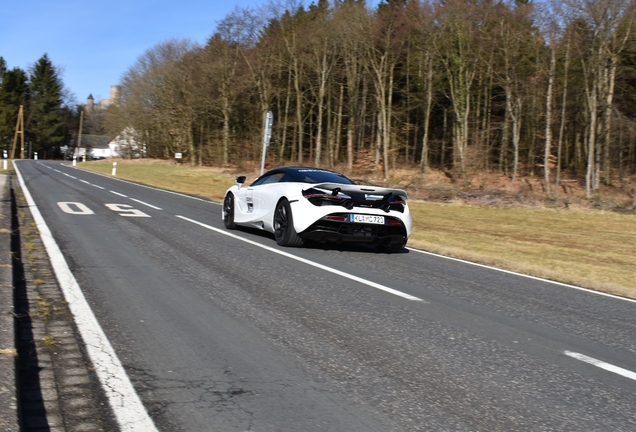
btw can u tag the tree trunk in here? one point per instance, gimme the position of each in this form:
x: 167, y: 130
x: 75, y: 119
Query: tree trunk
x: 424, y: 163
x: 609, y: 100
x: 566, y: 67
x: 548, y: 119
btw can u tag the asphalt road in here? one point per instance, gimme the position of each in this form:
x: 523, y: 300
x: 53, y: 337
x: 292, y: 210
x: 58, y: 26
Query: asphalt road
x: 222, y: 334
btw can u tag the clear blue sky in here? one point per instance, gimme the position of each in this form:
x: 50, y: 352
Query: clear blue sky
x: 94, y: 42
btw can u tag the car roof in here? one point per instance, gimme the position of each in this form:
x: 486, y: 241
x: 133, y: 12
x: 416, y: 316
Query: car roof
x: 299, y: 172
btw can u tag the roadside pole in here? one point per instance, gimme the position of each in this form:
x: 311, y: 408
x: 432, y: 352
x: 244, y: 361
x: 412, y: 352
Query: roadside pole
x: 267, y: 135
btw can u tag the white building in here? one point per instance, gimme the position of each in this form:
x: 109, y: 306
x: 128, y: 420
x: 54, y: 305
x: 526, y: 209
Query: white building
x: 125, y: 144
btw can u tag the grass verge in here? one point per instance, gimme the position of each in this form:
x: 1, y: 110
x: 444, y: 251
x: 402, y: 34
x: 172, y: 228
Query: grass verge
x: 593, y: 249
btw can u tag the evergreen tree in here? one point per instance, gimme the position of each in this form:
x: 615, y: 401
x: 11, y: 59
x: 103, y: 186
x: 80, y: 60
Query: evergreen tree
x: 13, y: 93
x: 45, y: 126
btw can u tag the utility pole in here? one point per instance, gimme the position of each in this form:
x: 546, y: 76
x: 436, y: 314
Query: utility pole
x: 19, y: 129
x: 267, y: 135
x: 79, y: 134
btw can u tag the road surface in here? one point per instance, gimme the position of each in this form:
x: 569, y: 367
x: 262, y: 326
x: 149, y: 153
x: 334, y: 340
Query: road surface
x: 225, y: 331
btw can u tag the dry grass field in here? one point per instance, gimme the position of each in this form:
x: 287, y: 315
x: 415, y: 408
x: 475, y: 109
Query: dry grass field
x: 570, y: 239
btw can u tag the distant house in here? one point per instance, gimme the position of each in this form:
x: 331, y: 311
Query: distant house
x: 125, y: 144
x: 93, y: 147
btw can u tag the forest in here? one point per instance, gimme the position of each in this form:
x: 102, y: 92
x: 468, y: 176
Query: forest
x: 515, y: 87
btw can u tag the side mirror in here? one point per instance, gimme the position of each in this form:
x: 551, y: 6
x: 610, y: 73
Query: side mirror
x: 240, y: 180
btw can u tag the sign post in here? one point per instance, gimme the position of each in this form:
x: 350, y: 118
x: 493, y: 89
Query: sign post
x: 267, y: 135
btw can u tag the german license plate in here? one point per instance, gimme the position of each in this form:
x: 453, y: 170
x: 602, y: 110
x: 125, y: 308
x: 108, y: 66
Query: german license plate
x: 369, y: 219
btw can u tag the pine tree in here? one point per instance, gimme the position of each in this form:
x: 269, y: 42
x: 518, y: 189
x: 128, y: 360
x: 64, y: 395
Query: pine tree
x: 45, y: 127
x: 13, y: 93
x: 3, y: 68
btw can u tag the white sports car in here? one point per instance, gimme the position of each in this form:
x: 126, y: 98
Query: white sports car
x: 298, y: 204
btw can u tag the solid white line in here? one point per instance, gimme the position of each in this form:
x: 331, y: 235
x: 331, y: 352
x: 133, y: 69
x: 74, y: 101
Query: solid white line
x: 311, y: 263
x: 601, y: 364
x: 525, y: 275
x: 128, y: 408
x: 146, y: 204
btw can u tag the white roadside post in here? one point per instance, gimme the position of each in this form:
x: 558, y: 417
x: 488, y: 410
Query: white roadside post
x: 267, y: 135
x: 114, y: 169
x: 74, y: 160
x: 4, y: 162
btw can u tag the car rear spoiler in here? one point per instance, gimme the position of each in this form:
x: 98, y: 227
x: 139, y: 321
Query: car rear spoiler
x: 357, y: 189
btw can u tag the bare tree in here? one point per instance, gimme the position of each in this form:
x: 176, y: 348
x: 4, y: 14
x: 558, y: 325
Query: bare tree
x: 350, y: 18
x: 383, y: 51
x: 458, y: 49
x: 155, y: 99
x: 321, y: 61
x: 609, y: 25
x: 422, y: 25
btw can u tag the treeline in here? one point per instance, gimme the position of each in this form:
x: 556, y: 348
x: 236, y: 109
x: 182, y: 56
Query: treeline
x: 458, y: 85
x: 43, y: 126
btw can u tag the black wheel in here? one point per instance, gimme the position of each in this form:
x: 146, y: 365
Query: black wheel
x: 228, y: 211
x: 392, y: 248
x: 284, y: 231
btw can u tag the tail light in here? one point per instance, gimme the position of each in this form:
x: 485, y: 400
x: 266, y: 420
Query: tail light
x: 337, y: 218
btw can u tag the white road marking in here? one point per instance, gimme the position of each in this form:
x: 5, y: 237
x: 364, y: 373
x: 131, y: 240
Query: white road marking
x: 601, y: 364
x: 124, y: 401
x: 146, y: 204
x: 308, y: 262
x: 120, y: 194
x: 75, y: 208
x: 525, y: 276
x: 126, y: 210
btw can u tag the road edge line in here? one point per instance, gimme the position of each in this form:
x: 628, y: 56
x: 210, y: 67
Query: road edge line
x: 537, y: 278
x: 129, y: 411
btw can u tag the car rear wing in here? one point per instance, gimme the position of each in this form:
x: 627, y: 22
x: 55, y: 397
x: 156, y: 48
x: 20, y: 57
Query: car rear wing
x: 361, y: 189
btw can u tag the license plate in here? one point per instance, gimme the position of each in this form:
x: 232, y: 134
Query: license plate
x: 369, y: 219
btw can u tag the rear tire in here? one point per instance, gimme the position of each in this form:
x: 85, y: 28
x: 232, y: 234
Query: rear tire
x: 228, y: 211
x: 284, y: 231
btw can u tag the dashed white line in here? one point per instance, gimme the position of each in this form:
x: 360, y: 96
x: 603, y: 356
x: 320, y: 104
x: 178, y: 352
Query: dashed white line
x: 120, y: 194
x: 308, y: 262
x: 601, y: 364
